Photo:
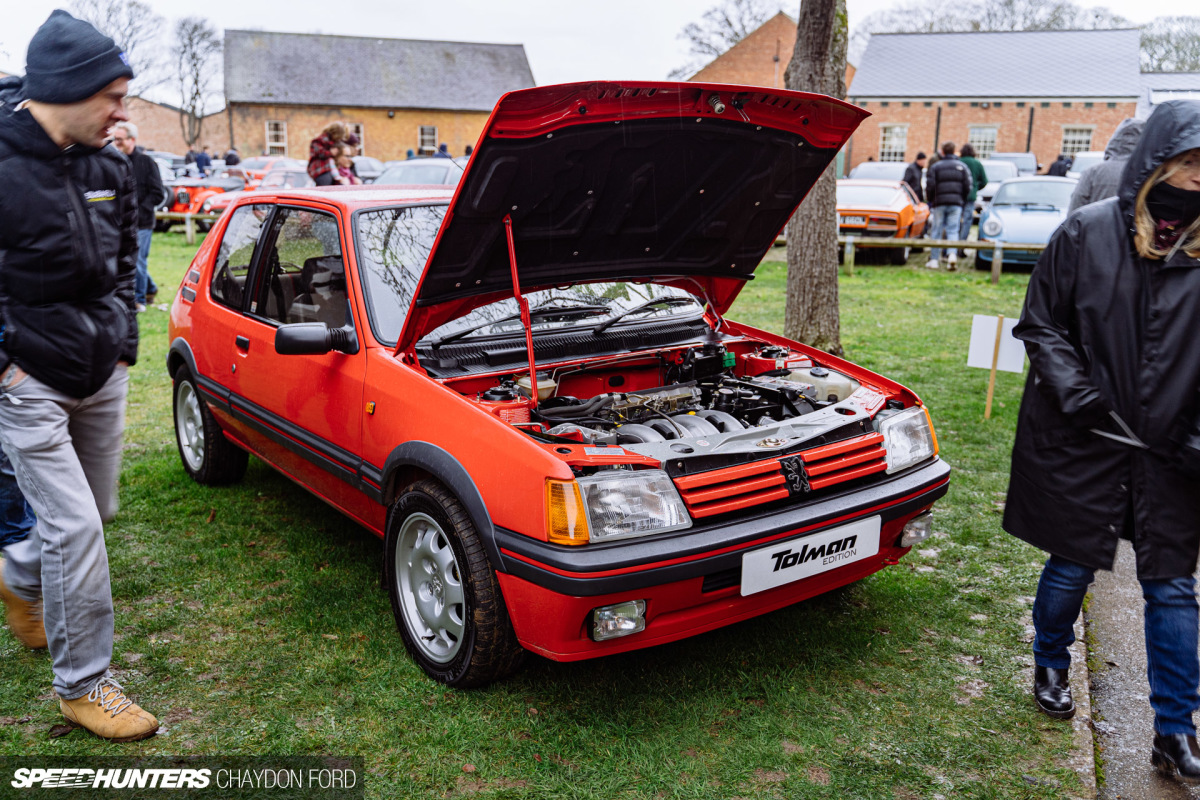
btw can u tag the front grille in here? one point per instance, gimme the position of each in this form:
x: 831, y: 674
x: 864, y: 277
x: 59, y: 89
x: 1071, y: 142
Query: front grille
x: 720, y: 491
x: 715, y: 581
x: 183, y: 198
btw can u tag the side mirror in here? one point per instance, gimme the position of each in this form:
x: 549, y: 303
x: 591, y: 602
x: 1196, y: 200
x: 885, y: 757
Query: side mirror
x: 314, y: 339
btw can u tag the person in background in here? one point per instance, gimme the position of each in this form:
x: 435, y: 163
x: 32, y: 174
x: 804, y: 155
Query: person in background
x: 1102, y: 180
x: 232, y: 159
x: 1061, y: 166
x: 71, y: 334
x: 410, y: 155
x: 468, y: 150
x: 204, y: 162
x: 442, y: 151
x: 347, y: 174
x: 912, y: 176
x: 1106, y: 445
x: 947, y: 184
x: 322, y: 153
x: 978, y: 181
x: 150, y: 192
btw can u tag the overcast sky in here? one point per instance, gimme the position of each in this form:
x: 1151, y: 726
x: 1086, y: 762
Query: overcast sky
x: 565, y: 40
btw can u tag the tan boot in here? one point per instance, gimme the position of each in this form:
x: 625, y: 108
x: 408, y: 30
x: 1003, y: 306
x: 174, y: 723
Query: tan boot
x: 24, y: 617
x: 108, y: 713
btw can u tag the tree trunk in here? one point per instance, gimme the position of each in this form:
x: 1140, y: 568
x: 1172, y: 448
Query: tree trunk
x: 818, y: 65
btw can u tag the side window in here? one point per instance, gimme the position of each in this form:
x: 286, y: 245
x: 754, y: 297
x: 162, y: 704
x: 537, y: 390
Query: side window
x: 908, y: 192
x: 306, y: 277
x: 233, y: 259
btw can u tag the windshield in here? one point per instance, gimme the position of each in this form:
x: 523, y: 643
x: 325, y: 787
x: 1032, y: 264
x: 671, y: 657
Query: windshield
x: 439, y: 171
x: 1043, y: 193
x: 291, y: 179
x: 997, y: 171
x: 885, y: 170
x: 393, y: 245
x: 872, y: 196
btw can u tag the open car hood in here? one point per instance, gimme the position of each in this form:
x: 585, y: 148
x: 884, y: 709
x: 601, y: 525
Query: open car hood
x: 685, y: 184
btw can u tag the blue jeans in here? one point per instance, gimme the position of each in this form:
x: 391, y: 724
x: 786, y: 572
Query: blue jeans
x: 944, y: 221
x: 1172, y: 622
x: 16, y: 517
x: 143, y: 284
x: 968, y: 216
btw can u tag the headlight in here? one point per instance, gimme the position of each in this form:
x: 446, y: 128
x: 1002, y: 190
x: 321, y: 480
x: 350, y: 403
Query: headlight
x: 992, y: 227
x: 908, y: 437
x: 621, y: 504
x: 207, y: 205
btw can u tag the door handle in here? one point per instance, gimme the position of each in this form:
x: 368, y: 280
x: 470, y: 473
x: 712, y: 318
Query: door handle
x: 242, y: 343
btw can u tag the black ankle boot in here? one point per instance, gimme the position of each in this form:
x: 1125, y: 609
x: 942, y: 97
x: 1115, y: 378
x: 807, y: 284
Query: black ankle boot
x: 1053, y: 693
x: 1177, y: 754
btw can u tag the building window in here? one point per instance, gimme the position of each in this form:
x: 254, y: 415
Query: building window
x: 997, y: 105
x: 893, y: 140
x: 952, y: 105
x: 1020, y: 105
x: 974, y: 105
x: 1066, y: 105
x: 1076, y: 139
x: 906, y: 104
x: 983, y: 139
x: 928, y: 104
x: 357, y: 129
x: 427, y: 141
x: 1044, y: 105
x: 1112, y: 105
x: 884, y: 104
x: 276, y: 137
x: 1087, y: 105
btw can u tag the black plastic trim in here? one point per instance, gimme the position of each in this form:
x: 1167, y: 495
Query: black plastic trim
x: 928, y: 483
x: 445, y: 467
x: 341, y: 463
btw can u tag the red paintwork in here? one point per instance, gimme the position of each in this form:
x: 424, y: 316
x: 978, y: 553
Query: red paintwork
x: 328, y: 396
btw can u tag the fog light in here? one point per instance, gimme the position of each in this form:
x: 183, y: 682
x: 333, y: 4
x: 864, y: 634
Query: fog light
x: 610, y: 622
x: 917, y: 530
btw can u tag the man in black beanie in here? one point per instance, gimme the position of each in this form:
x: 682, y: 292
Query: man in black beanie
x: 68, y: 255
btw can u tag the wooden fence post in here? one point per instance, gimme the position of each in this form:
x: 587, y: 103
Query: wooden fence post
x: 849, y: 256
x: 189, y: 228
x: 997, y: 261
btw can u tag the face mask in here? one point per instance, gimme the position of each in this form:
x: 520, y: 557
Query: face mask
x: 1169, y: 203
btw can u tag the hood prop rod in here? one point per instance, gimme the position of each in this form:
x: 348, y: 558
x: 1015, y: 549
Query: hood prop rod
x: 523, y: 304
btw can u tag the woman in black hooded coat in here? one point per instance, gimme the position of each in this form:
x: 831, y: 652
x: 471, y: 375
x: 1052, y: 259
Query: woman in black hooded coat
x: 1110, y: 324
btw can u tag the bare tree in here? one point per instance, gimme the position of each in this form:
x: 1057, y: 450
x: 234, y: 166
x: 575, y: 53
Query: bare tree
x: 1171, y: 44
x: 135, y: 28
x: 197, y: 45
x: 721, y: 28
x: 818, y: 65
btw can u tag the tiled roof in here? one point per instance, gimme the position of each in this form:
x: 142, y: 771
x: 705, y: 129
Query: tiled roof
x: 1101, y: 63
x: 311, y: 69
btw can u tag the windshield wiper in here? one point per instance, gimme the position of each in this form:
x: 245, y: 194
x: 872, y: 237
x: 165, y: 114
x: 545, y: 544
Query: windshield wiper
x: 541, y: 312
x: 658, y: 301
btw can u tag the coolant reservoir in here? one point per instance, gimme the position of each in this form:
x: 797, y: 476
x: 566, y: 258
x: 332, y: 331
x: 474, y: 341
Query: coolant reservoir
x: 505, y: 403
x: 830, y: 385
x: 545, y: 388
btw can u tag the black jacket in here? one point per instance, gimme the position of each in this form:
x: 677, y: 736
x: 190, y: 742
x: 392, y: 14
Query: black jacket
x: 912, y: 176
x: 1060, y: 168
x: 150, y: 189
x: 68, y: 253
x: 1106, y: 329
x: 948, y: 182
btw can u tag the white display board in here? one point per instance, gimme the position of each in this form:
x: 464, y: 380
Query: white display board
x: 983, y: 345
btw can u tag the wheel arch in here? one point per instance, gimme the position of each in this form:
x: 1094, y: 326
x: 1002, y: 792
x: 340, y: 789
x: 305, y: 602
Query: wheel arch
x: 414, y: 461
x: 180, y: 355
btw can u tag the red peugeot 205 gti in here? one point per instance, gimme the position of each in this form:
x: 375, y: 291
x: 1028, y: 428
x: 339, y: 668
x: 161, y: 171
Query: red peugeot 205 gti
x: 527, y: 386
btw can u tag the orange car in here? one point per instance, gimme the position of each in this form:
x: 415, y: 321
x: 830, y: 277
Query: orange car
x: 881, y: 208
x: 253, y: 170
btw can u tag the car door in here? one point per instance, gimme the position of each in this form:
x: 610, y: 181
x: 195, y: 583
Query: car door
x: 920, y: 211
x: 216, y: 351
x: 310, y: 407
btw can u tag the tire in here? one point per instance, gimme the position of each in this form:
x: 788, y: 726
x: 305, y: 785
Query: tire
x: 203, y: 225
x: 444, y: 592
x: 207, y: 456
x: 898, y: 256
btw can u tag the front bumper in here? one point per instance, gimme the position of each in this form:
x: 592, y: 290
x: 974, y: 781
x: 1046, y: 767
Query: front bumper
x: 691, y: 580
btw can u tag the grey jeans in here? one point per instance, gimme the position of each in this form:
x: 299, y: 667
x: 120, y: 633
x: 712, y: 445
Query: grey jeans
x: 67, y: 457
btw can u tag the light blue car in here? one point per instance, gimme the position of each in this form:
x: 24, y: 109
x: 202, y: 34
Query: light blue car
x: 1026, y: 211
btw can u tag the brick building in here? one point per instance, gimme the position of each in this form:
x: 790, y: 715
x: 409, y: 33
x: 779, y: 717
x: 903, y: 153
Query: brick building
x: 1045, y: 92
x: 282, y: 89
x: 158, y: 127
x: 760, y: 59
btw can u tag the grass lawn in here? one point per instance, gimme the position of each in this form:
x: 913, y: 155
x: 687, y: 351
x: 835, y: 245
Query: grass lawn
x: 251, y: 620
